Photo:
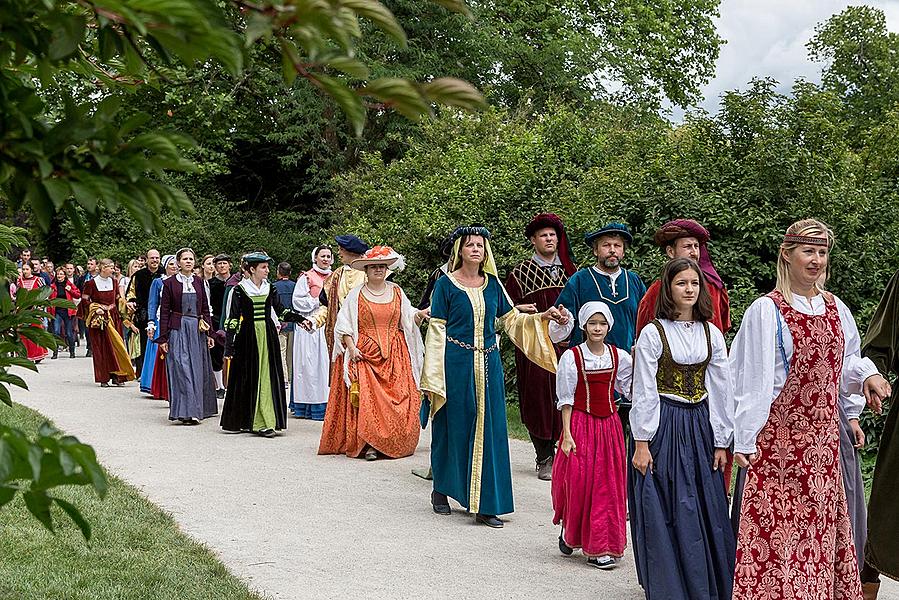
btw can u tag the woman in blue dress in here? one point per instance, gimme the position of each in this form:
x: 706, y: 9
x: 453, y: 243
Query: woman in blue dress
x: 463, y: 375
x: 169, y: 268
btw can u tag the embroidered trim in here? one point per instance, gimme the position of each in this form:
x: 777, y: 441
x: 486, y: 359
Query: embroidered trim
x: 805, y: 239
x: 627, y: 287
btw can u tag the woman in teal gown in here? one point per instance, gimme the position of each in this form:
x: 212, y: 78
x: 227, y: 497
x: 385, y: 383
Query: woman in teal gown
x: 463, y: 376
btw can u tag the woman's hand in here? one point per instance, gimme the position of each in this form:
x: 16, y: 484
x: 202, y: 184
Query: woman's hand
x: 858, y: 435
x: 422, y: 315
x: 876, y: 390
x: 745, y: 460
x: 353, y: 353
x: 642, y: 458
x: 552, y: 314
x: 719, y: 463
x: 568, y: 446
x: 210, y: 342
x: 164, y: 347
x: 564, y: 315
x: 530, y: 309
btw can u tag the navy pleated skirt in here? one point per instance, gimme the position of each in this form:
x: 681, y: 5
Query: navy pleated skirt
x: 684, y: 544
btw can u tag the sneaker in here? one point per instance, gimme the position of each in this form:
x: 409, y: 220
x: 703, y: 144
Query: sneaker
x: 545, y: 470
x: 564, y: 548
x: 602, y: 562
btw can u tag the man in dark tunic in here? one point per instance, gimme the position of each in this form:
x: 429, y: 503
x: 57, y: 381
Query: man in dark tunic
x: 881, y: 345
x: 222, y: 264
x: 138, y: 296
x: 534, y: 286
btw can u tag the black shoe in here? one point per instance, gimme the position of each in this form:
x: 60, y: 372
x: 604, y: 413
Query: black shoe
x: 268, y: 433
x: 440, y: 504
x: 489, y: 521
x: 87, y: 354
x: 564, y: 548
x: 71, y: 353
x: 55, y: 355
x: 220, y: 393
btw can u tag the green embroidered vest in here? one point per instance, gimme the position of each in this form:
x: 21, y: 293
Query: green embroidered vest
x: 686, y: 381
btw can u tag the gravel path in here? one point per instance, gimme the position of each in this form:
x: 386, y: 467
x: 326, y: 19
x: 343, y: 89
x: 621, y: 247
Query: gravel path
x: 297, y: 525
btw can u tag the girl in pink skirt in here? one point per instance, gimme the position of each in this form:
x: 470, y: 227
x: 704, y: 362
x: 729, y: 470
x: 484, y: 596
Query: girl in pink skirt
x: 588, y: 484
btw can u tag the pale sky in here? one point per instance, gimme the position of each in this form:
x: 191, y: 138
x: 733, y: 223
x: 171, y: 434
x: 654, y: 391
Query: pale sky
x: 766, y: 38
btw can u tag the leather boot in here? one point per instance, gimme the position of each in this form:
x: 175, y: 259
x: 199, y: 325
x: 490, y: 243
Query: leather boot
x: 870, y: 590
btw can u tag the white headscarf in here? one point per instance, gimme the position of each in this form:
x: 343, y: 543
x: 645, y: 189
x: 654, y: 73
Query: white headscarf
x: 590, y: 309
x: 317, y: 268
x: 165, y: 263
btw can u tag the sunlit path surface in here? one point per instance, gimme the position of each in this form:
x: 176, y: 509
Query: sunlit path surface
x: 297, y: 525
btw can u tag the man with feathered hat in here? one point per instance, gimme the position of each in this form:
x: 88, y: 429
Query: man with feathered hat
x: 685, y: 238
x: 534, y: 286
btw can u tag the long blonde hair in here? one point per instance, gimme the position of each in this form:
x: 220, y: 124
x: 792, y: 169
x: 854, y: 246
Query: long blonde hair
x: 804, y: 228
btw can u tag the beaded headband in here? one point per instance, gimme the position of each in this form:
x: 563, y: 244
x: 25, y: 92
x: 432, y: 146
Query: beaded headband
x: 806, y: 239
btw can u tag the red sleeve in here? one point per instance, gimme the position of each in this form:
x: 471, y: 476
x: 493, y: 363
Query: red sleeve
x: 723, y: 309
x: 647, y: 309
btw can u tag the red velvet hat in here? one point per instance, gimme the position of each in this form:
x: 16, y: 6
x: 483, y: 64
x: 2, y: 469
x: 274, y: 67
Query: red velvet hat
x: 544, y: 220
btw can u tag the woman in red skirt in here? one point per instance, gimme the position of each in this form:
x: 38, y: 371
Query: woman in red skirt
x: 588, y: 480
x: 100, y: 312
x: 29, y: 281
x: 796, y: 349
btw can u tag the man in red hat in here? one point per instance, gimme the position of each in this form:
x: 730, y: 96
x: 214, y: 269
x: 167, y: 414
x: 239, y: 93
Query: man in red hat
x: 685, y: 238
x: 534, y: 286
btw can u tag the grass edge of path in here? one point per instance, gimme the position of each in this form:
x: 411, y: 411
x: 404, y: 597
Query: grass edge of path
x: 137, y: 550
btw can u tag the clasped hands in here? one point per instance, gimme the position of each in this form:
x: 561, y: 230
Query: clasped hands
x: 557, y: 314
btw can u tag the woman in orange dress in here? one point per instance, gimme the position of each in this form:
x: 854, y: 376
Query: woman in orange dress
x: 374, y: 400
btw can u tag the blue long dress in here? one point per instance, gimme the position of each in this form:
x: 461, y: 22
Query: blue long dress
x: 470, y: 445
x: 146, y: 374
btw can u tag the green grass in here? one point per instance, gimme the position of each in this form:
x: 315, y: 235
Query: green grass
x: 136, y: 552
x: 513, y: 417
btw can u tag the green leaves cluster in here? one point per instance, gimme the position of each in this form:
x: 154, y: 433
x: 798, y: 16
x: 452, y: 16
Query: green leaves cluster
x: 34, y: 467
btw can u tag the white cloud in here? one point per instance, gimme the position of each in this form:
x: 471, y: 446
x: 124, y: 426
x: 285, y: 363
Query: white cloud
x: 767, y: 38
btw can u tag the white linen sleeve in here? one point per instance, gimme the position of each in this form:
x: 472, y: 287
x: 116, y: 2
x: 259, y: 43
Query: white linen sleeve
x: 302, y: 300
x: 566, y: 380
x: 644, y: 415
x: 558, y: 333
x: 625, y: 376
x: 855, y: 368
x: 752, y: 363
x: 719, y: 385
x: 853, y: 405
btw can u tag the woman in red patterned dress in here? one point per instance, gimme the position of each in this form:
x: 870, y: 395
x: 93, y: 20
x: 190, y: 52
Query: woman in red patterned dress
x: 29, y: 281
x: 797, y: 348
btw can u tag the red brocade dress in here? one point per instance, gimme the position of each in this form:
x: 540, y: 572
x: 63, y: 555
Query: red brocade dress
x: 588, y: 485
x: 795, y: 540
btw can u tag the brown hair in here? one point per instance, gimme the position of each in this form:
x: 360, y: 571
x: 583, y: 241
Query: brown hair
x: 665, y: 307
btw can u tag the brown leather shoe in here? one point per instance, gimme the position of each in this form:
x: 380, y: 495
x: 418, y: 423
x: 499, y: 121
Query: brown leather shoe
x: 545, y: 470
x: 870, y: 590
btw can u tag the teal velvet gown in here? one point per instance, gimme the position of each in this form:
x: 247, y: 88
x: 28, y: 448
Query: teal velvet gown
x: 464, y: 377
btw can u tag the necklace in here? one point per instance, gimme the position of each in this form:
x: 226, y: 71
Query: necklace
x: 373, y: 293
x: 686, y: 324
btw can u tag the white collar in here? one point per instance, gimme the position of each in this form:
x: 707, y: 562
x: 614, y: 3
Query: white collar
x: 250, y: 288
x: 187, y: 282
x: 321, y: 271
x: 556, y: 261
x: 103, y: 284
x: 612, y: 276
